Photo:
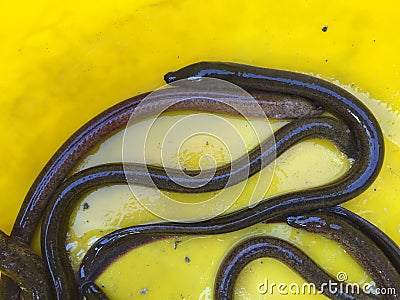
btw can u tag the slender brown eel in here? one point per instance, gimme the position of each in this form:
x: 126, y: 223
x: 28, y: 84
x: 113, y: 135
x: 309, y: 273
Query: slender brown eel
x: 22, y: 265
x: 259, y: 247
x: 385, y: 243
x: 360, y: 246
x: 364, y: 127
x: 364, y: 130
x: 115, y: 118
x: 388, y: 247
x: 365, y: 242
x: 56, y: 220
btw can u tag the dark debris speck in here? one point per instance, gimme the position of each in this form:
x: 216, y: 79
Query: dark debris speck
x: 187, y: 259
x: 176, y: 243
x: 85, y: 206
x: 144, y: 291
x: 325, y: 28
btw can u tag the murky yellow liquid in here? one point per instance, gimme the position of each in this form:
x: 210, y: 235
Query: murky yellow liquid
x: 62, y: 65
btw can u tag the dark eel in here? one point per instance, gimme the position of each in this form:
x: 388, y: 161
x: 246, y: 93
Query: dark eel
x: 24, y: 267
x: 367, y: 133
x: 56, y: 220
x: 364, y: 127
x: 365, y: 242
x: 262, y: 246
x: 337, y: 227
x: 117, y: 117
x: 367, y: 136
x: 385, y: 243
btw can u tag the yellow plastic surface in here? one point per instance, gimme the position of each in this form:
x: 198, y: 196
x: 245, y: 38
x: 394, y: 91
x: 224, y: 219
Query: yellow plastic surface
x: 61, y: 64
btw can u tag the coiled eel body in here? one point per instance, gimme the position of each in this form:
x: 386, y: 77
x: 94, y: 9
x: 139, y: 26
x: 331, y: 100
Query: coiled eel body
x: 361, y: 128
